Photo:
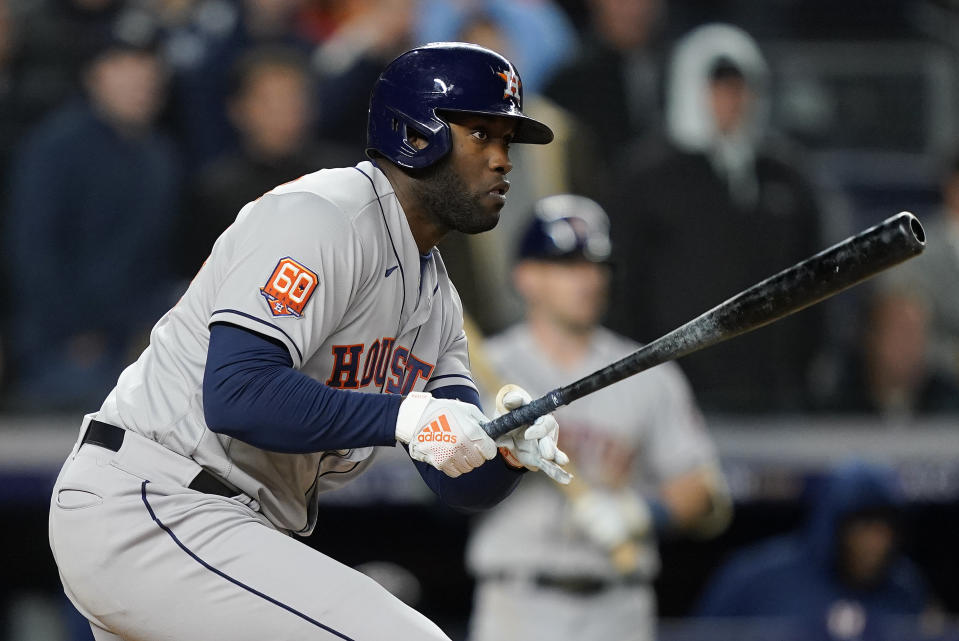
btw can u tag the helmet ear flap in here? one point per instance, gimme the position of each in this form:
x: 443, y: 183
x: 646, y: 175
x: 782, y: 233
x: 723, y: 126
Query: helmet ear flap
x: 410, y: 134
x: 435, y: 134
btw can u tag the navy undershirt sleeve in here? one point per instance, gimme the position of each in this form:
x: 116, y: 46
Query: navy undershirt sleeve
x: 463, y: 393
x: 478, y: 489
x: 251, y: 392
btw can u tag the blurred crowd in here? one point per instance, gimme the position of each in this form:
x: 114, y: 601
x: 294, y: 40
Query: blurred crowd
x: 133, y: 131
x: 726, y: 141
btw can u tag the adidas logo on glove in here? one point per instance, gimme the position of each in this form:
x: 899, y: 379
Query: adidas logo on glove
x: 437, y: 434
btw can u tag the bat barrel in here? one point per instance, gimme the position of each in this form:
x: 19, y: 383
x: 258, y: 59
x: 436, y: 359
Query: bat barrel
x: 820, y: 276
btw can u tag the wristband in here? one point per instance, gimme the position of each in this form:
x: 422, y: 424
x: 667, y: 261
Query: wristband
x: 407, y: 419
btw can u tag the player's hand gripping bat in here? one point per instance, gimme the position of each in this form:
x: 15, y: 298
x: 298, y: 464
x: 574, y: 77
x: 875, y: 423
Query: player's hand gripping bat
x: 816, y: 278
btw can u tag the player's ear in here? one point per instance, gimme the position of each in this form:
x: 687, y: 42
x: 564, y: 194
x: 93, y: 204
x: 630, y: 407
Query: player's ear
x: 416, y: 140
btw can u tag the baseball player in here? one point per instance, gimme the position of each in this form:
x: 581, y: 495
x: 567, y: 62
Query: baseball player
x: 550, y: 564
x: 321, y: 328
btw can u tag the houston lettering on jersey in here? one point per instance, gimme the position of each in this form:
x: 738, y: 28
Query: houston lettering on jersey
x: 382, y: 363
x: 602, y: 457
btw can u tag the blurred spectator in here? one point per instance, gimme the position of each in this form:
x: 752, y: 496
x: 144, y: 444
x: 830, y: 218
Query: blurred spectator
x: 887, y: 373
x: 370, y: 34
x: 12, y: 114
x: 709, y: 209
x: 270, y: 106
x: 613, y: 84
x: 9, y: 133
x: 319, y: 19
x: 203, y: 49
x: 936, y: 272
x: 579, y: 562
x: 538, y: 35
x: 51, y: 41
x: 93, y: 196
x: 841, y: 577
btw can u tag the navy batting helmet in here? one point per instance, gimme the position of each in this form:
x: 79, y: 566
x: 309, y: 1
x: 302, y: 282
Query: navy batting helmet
x: 416, y: 88
x: 567, y: 227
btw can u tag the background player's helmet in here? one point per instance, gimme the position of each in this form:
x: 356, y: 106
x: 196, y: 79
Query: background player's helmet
x: 566, y: 227
x: 419, y: 86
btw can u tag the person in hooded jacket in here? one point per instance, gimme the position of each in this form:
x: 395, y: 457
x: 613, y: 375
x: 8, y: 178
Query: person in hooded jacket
x: 709, y: 207
x: 840, y: 577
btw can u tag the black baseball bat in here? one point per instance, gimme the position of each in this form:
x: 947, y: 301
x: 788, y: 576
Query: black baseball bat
x: 816, y: 278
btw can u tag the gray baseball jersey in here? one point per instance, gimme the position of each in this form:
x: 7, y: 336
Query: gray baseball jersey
x: 328, y: 266
x: 638, y: 432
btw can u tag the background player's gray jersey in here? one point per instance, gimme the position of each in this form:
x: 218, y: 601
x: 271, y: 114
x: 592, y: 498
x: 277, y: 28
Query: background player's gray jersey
x: 327, y: 266
x: 637, y: 432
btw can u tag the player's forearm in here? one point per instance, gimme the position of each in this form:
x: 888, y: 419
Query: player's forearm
x: 690, y: 498
x: 475, y: 491
x: 251, y: 392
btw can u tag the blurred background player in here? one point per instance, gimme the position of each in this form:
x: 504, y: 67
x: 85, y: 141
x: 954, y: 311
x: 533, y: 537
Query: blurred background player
x: 646, y: 465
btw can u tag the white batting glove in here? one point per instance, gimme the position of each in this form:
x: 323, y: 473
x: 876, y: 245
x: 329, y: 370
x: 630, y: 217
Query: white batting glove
x: 445, y: 433
x: 531, y: 446
x: 609, y: 518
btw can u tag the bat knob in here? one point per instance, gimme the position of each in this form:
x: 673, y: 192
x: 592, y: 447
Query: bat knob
x: 914, y: 226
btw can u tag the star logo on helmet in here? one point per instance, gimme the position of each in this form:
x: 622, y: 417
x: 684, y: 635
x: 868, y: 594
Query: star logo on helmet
x: 513, y: 85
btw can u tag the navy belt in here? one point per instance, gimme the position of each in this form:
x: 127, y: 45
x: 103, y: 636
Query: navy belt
x: 584, y: 585
x: 577, y: 585
x: 111, y: 438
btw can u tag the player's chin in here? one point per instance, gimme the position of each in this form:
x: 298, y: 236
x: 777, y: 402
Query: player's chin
x: 484, y: 220
x: 488, y: 222
x: 479, y: 226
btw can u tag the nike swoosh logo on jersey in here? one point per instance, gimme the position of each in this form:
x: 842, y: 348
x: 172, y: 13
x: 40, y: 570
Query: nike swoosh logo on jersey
x: 390, y: 271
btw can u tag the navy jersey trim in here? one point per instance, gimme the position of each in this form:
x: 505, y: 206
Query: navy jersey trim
x: 341, y: 471
x: 221, y: 574
x: 260, y: 320
x: 392, y: 244
x: 415, y: 338
x: 436, y: 378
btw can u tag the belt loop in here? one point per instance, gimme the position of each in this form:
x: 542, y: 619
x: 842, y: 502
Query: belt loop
x: 84, y: 426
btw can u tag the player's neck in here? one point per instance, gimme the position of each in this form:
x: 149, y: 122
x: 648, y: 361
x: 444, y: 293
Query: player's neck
x: 563, y: 344
x: 426, y: 231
